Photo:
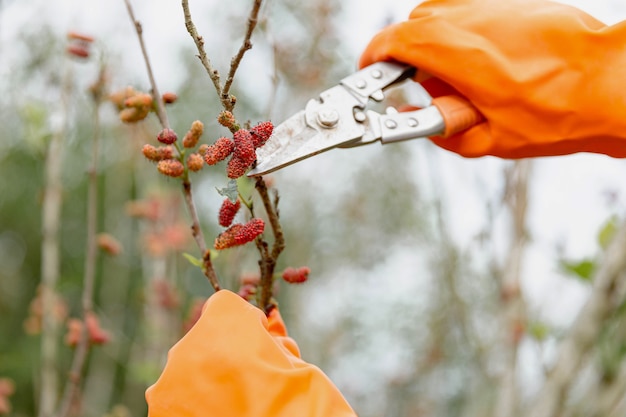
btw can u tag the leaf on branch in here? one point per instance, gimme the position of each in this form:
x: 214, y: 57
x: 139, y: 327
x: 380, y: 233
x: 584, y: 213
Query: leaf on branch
x: 193, y: 260
x: 245, y: 186
x: 583, y: 269
x: 230, y: 191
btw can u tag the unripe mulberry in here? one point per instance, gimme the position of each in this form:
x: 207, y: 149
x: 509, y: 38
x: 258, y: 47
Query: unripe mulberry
x: 193, y: 135
x: 218, y: 151
x: 139, y: 100
x: 228, y: 211
x: 244, y: 147
x: 239, y: 234
x: 296, y: 275
x: 236, y: 167
x: 109, y: 244
x: 226, y: 119
x: 261, y: 133
x: 195, y: 162
x: 171, y: 167
x: 169, y: 98
x: 167, y: 136
x: 156, y: 154
x: 133, y: 114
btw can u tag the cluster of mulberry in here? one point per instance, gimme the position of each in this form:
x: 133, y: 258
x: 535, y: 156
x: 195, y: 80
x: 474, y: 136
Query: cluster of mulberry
x: 242, y: 147
x: 134, y: 105
x: 167, y: 162
x: 239, y: 234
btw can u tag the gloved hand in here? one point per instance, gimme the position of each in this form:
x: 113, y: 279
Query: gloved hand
x: 235, y: 362
x: 548, y: 78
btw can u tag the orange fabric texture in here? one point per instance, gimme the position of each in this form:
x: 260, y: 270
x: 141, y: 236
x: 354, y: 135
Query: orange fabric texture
x: 549, y: 79
x: 235, y: 362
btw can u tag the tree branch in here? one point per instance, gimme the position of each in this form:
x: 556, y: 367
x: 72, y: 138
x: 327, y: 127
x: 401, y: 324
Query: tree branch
x: 583, y: 334
x: 268, y: 263
x: 199, y: 41
x: 245, y: 46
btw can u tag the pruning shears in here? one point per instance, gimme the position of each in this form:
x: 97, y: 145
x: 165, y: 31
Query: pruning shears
x: 339, y: 118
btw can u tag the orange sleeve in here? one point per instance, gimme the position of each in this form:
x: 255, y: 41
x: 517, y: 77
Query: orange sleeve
x: 235, y: 362
x: 548, y: 78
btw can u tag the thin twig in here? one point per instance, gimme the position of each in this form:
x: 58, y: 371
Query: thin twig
x: 228, y: 101
x: 161, y: 113
x: 199, y: 41
x: 82, y: 349
x: 245, y: 46
x: 196, y: 231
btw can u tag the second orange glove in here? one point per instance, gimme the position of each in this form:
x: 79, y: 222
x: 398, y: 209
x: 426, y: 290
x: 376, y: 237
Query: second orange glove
x: 237, y: 363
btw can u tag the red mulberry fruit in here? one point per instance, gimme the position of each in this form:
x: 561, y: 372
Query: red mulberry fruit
x: 236, y: 167
x: 244, y: 147
x: 218, y: 151
x: 261, y: 133
x: 239, y: 234
x: 228, y: 210
x: 167, y: 136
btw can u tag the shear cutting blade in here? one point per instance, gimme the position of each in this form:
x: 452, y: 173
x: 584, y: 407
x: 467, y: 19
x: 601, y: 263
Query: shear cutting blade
x: 287, y: 145
x: 302, y: 136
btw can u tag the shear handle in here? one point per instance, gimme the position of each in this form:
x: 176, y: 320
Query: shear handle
x: 446, y: 116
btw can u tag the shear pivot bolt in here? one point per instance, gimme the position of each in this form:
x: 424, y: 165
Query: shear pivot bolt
x: 391, y: 124
x: 328, y: 118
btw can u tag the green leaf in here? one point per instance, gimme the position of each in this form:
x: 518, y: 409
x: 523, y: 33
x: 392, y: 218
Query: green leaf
x: 193, y: 260
x: 230, y: 191
x: 581, y: 269
x: 246, y: 185
x: 606, y: 233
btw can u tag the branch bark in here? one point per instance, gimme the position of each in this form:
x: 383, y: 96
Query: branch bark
x: 268, y: 260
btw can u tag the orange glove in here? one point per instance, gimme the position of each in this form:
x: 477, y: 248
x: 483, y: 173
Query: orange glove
x: 236, y: 363
x: 548, y: 78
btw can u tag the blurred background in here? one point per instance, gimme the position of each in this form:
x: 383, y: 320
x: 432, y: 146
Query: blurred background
x: 439, y: 286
